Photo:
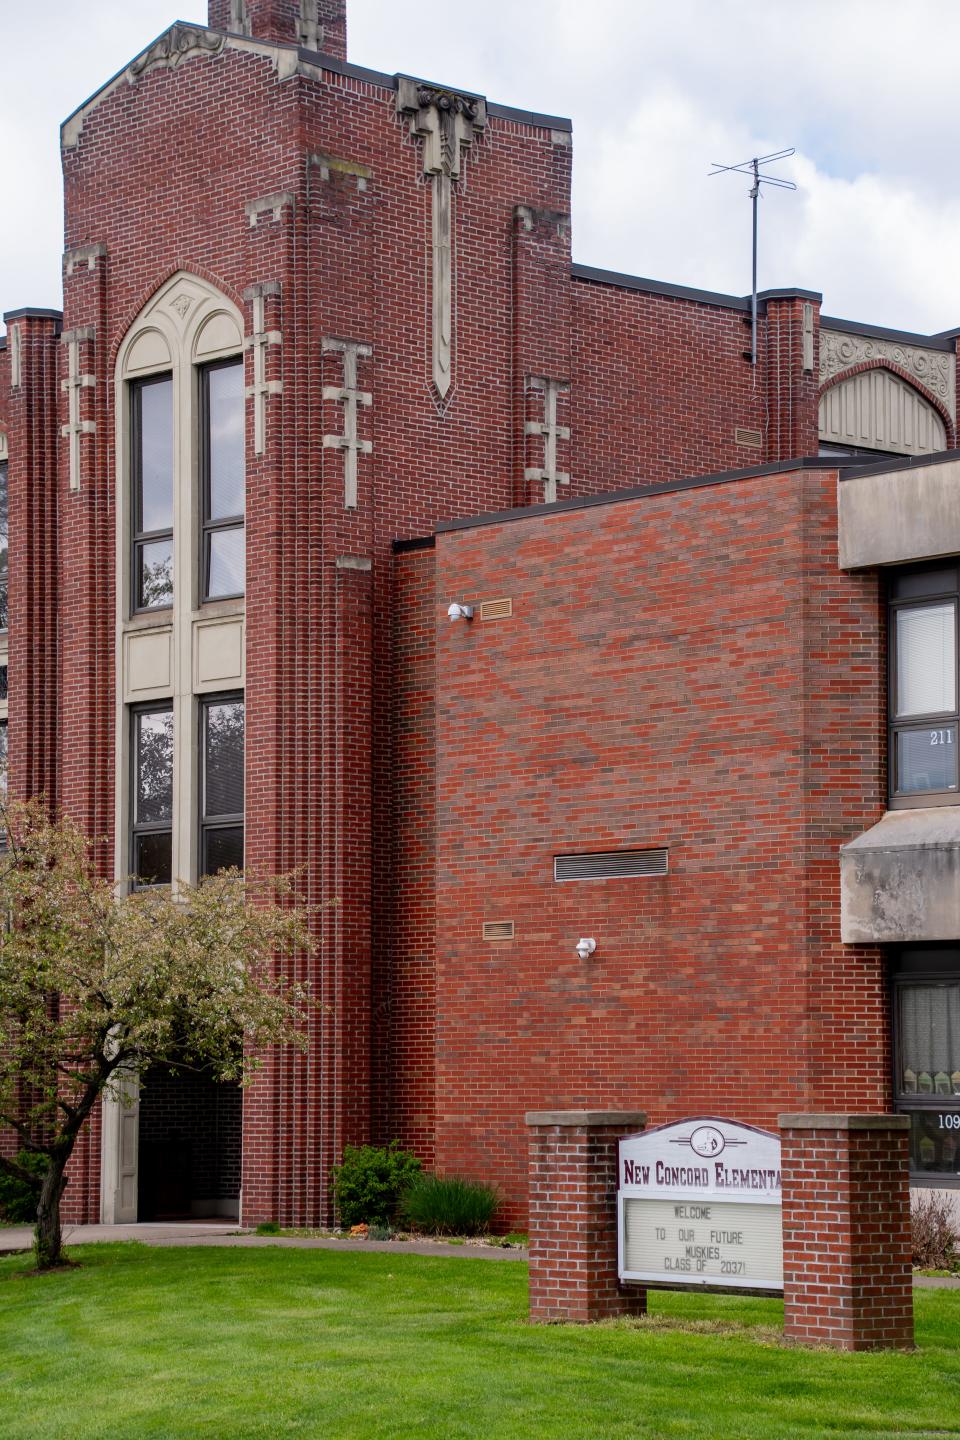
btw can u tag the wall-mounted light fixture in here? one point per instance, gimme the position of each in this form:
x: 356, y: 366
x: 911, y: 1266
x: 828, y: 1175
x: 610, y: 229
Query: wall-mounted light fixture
x: 460, y: 612
x: 585, y: 948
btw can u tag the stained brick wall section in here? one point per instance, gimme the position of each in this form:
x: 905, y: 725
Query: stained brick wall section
x: 847, y: 1274
x: 573, y: 1216
x: 681, y: 670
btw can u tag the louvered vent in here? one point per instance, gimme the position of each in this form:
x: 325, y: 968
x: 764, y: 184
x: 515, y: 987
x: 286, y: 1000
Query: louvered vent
x: 496, y: 609
x: 610, y: 865
x: 753, y: 439
x: 498, y: 930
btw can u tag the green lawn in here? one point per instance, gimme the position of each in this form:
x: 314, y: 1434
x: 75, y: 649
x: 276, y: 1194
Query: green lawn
x: 232, y: 1343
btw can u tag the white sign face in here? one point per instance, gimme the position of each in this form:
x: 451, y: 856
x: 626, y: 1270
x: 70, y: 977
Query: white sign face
x: 699, y: 1204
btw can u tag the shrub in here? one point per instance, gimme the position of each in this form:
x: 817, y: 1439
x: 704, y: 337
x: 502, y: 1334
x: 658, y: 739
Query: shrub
x: 18, y: 1200
x: 268, y: 1227
x: 933, y: 1225
x: 440, y: 1205
x: 368, y: 1184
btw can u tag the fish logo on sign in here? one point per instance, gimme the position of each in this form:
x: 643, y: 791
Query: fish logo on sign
x: 707, y: 1141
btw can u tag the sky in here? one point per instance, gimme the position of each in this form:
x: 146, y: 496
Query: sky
x: 864, y: 89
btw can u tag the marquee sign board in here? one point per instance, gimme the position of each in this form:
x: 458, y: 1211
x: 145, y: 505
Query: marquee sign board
x: 699, y: 1204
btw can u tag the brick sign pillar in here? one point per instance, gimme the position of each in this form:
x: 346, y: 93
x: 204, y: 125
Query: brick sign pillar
x: 573, y: 1215
x: 847, y: 1278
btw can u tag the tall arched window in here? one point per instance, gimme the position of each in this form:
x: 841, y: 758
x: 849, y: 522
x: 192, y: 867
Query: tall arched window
x: 180, y: 576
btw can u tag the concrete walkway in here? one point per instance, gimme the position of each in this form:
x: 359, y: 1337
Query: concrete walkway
x: 19, y: 1238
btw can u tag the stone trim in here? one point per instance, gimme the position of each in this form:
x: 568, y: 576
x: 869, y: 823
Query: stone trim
x: 931, y: 371
x: 180, y: 42
x: 259, y: 341
x: 85, y: 256
x: 351, y: 397
x: 843, y: 1122
x: 272, y: 205
x: 581, y: 1118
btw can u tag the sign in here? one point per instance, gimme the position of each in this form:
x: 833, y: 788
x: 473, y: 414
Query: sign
x: 699, y: 1204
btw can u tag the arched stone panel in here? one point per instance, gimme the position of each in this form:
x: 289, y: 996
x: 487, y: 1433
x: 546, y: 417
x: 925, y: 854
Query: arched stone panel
x: 877, y: 410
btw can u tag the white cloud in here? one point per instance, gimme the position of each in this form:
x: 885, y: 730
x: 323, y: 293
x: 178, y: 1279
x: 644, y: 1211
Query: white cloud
x: 864, y: 88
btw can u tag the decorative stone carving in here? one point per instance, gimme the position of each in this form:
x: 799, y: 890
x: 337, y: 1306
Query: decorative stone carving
x: 181, y: 42
x: 15, y: 342
x: 934, y: 369
x: 74, y: 385
x: 549, y: 473
x: 258, y: 342
x: 239, y: 17
x: 448, y: 123
x: 351, y: 397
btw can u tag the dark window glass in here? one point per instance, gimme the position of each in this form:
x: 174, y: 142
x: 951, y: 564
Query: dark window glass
x: 3, y: 546
x: 3, y: 682
x: 927, y: 1019
x: 222, y: 451
x: 152, y: 796
x: 151, y: 415
x: 223, y: 849
x: 924, y: 714
x: 221, y: 825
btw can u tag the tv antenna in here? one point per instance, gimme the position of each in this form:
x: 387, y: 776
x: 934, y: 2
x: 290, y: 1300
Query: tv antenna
x: 752, y: 168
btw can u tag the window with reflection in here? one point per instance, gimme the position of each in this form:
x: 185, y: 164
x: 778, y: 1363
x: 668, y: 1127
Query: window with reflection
x: 222, y: 456
x: 927, y: 1049
x: 923, y: 685
x: 221, y: 750
x: 4, y: 555
x: 152, y: 796
x: 151, y: 429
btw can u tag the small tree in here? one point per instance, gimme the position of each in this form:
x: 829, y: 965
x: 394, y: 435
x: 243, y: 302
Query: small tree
x: 95, y: 985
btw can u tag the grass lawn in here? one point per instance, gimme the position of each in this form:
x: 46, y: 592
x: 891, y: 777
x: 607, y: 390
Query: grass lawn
x: 233, y: 1343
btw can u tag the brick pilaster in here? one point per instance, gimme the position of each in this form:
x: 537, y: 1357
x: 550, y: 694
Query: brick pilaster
x: 847, y: 1279
x: 573, y: 1215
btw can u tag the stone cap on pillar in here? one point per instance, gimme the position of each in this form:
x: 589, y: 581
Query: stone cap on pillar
x: 843, y: 1122
x: 583, y: 1118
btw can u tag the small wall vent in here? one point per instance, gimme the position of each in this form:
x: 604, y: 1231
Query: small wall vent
x: 498, y: 930
x: 610, y: 865
x: 752, y: 439
x: 496, y: 609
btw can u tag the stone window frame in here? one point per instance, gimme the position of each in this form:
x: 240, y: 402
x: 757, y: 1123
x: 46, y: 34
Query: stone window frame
x: 186, y: 325
x: 945, y: 721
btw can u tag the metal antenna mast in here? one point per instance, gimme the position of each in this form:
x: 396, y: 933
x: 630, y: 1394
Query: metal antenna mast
x: 752, y: 168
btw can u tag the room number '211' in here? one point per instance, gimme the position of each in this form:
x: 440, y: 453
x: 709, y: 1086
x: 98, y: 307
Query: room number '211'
x: 941, y: 737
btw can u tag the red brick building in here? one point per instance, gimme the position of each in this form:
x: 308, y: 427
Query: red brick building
x: 325, y: 368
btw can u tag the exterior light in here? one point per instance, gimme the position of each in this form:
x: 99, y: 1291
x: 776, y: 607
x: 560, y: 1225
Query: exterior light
x: 460, y: 612
x: 585, y: 948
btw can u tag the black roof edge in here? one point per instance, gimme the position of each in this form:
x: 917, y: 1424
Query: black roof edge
x: 637, y: 492
x: 686, y: 292
x: 942, y: 341
x: 416, y: 542
x: 32, y: 312
x: 902, y: 462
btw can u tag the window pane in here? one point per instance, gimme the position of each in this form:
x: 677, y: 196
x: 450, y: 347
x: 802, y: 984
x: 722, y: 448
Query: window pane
x: 930, y: 1040
x: 226, y: 563
x: 152, y: 858
x: 222, y: 849
x: 153, y: 760
x: 927, y: 759
x: 155, y: 458
x: 3, y: 682
x: 225, y: 418
x: 155, y: 574
x: 926, y: 660
x: 223, y: 759
x: 935, y: 1142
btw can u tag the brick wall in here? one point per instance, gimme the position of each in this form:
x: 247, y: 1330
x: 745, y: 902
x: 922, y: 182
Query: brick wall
x: 681, y: 670
x: 847, y: 1274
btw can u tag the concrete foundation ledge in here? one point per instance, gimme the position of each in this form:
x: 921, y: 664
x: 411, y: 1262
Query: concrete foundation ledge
x: 582, y: 1118
x: 843, y: 1122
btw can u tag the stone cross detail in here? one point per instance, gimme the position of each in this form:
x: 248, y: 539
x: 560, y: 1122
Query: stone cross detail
x: 548, y: 472
x: 351, y: 397
x: 448, y: 124
x: 259, y: 342
x: 73, y: 386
